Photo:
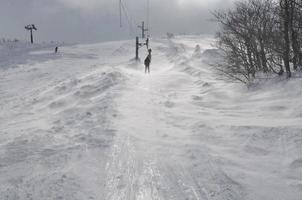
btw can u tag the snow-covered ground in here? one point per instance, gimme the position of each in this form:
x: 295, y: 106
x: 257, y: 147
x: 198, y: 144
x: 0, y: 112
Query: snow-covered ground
x: 87, y: 123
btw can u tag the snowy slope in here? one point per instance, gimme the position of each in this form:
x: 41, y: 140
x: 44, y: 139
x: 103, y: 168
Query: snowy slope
x: 87, y: 123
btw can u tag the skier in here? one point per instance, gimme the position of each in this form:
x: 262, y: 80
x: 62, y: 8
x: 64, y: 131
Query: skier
x: 56, y: 49
x: 148, y: 61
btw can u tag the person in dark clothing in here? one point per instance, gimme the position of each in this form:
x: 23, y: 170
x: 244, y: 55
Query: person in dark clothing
x: 148, y: 61
x: 56, y: 49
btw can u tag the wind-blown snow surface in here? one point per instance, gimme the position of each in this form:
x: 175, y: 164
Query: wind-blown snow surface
x: 87, y: 123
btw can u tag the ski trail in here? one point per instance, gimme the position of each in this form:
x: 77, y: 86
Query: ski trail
x: 132, y: 174
x: 146, y: 162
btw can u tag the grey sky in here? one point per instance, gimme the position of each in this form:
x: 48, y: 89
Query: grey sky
x: 98, y: 20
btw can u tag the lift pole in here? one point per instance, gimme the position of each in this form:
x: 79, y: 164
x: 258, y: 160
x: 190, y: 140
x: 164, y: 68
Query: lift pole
x: 142, y: 27
x: 30, y: 28
x: 136, y: 49
x: 148, y: 17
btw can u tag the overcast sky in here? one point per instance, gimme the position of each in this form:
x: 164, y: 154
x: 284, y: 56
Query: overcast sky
x: 98, y: 20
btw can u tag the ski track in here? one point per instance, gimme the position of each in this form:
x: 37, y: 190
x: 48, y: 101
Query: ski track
x: 88, y: 124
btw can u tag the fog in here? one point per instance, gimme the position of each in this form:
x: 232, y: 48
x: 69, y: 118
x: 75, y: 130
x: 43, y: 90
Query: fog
x: 98, y: 20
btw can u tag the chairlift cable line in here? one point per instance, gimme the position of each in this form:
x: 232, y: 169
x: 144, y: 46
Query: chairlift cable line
x: 124, y: 9
x: 148, y: 17
x: 120, y: 9
x: 129, y: 20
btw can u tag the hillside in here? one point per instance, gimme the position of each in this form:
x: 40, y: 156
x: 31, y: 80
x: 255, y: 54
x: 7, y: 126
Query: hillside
x: 87, y: 123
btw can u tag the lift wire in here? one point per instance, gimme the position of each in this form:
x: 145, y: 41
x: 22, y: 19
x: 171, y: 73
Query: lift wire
x: 120, y: 9
x: 130, y: 23
x: 148, y: 17
x: 130, y: 20
x: 124, y: 9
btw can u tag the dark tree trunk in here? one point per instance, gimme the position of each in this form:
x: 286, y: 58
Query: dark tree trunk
x: 294, y: 35
x: 286, y: 19
x: 251, y: 69
x: 263, y: 57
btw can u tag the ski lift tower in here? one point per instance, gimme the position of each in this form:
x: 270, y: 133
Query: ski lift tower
x: 30, y: 28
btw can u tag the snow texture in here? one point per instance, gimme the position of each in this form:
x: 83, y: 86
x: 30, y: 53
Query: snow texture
x: 88, y: 124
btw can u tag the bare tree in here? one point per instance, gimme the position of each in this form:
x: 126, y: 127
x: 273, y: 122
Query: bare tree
x: 260, y: 36
x: 247, y: 38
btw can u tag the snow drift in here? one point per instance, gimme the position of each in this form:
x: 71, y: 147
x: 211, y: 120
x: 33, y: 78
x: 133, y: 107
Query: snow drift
x: 89, y: 124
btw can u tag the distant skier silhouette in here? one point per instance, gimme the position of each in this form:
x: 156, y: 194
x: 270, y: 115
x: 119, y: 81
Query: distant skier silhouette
x: 56, y: 49
x: 148, y: 61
